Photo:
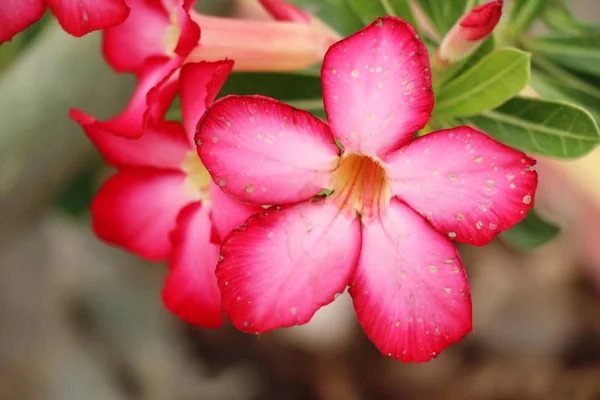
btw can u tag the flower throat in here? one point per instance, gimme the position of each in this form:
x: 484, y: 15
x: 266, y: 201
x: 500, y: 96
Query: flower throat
x: 360, y: 184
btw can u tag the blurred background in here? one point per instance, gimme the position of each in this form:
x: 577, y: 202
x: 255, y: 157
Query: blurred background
x: 82, y: 320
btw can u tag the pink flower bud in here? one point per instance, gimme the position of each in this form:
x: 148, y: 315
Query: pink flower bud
x: 469, y: 32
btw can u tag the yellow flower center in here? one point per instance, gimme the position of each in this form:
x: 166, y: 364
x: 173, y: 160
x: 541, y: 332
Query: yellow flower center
x: 360, y: 185
x: 198, y: 178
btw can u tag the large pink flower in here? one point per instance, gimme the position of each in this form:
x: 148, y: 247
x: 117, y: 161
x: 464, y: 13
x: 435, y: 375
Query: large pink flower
x: 77, y: 17
x: 386, y: 228
x: 161, y: 202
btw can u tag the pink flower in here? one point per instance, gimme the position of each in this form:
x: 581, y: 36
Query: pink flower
x: 153, y: 43
x: 469, y: 32
x: 159, y: 37
x: 77, y: 17
x: 386, y: 229
x: 161, y: 203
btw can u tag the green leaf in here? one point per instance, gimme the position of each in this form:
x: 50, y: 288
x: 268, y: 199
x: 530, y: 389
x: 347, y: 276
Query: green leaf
x: 444, y: 14
x: 530, y: 233
x: 560, y: 19
x: 581, y: 53
x: 349, y: 20
x: 543, y: 127
x: 551, y: 88
x: 522, y: 14
x: 368, y: 10
x: 402, y: 9
x: 454, y: 71
x: 284, y: 86
x: 324, y: 10
x: 498, y: 77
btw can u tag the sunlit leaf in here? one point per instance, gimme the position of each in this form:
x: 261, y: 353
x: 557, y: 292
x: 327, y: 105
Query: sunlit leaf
x: 498, y: 77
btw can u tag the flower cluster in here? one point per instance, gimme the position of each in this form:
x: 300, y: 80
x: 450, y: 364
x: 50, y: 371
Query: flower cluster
x: 267, y: 213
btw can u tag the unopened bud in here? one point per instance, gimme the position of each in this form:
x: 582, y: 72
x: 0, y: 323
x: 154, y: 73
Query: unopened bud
x: 469, y: 33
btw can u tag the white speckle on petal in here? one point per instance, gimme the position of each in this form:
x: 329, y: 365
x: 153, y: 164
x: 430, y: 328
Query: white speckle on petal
x: 527, y: 199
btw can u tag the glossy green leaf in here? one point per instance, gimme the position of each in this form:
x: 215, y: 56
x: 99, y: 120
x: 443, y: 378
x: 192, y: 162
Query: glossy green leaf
x: 544, y: 127
x: 581, y: 53
x: 498, y: 77
x: 530, y: 233
x: 444, y: 14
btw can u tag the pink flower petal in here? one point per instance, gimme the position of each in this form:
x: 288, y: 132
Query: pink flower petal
x: 199, y: 84
x: 189, y: 30
x: 137, y: 210
x: 284, y: 265
x: 127, y: 46
x: 154, y: 93
x: 377, y: 87
x: 265, y: 152
x: 410, y: 290
x: 469, y: 186
x: 227, y: 213
x: 149, y: 33
x: 79, y: 17
x: 162, y: 145
x: 17, y: 15
x: 191, y: 290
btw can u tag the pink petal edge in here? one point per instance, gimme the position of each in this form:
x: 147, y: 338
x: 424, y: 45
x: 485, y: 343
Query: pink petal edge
x: 469, y: 186
x: 283, y: 265
x: 18, y: 15
x: 162, y: 145
x: 410, y: 290
x: 137, y: 209
x: 262, y: 151
x: 80, y: 17
x: 190, y: 289
x: 377, y: 87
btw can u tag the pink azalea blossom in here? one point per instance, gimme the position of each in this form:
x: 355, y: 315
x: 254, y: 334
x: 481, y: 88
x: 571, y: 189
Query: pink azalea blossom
x: 161, y: 202
x: 386, y: 229
x: 77, y: 17
x: 469, y: 33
